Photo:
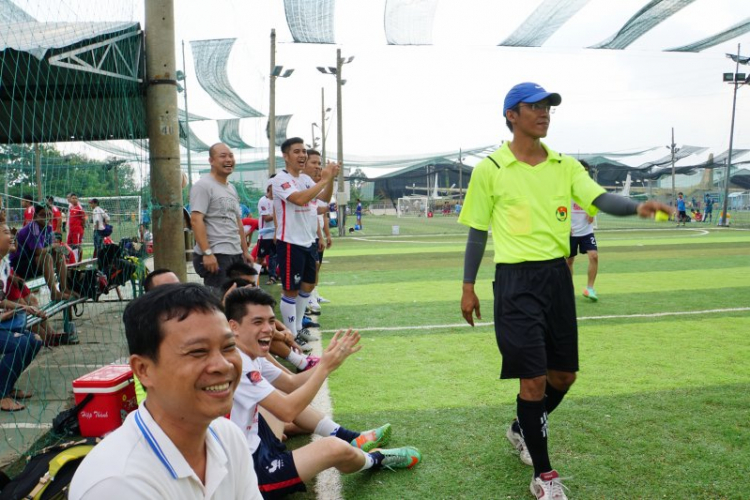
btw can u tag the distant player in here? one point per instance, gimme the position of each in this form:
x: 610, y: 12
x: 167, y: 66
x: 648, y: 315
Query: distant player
x: 582, y: 240
x: 266, y: 228
x: 681, y: 212
x: 358, y: 211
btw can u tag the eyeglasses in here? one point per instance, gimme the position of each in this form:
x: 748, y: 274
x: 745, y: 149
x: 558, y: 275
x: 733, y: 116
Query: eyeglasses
x: 537, y: 107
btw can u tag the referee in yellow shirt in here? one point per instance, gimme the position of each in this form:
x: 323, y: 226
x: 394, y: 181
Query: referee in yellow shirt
x: 522, y: 192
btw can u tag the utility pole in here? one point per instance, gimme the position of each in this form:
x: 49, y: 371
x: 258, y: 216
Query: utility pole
x: 323, y: 123
x: 672, y: 147
x: 341, y: 196
x: 736, y: 80
x: 187, y: 119
x: 272, y: 110
x: 38, y: 169
x: 164, y: 141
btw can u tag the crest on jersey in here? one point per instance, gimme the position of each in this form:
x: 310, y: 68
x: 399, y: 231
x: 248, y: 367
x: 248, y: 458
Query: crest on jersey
x: 562, y: 213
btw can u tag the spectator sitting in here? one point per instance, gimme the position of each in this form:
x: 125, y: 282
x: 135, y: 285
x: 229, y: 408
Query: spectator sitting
x: 159, y: 277
x: 18, y: 346
x: 36, y: 254
x: 243, y: 270
x: 177, y: 444
x: 281, y: 472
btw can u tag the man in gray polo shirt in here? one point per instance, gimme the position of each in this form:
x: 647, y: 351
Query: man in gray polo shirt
x: 217, y: 220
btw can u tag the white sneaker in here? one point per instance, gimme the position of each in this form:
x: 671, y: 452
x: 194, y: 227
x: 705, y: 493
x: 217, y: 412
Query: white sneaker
x: 516, y: 439
x: 548, y: 486
x: 323, y: 300
x: 305, y: 335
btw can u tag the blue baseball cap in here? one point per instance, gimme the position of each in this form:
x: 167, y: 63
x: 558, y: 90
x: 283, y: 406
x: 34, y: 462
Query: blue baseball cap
x: 529, y: 92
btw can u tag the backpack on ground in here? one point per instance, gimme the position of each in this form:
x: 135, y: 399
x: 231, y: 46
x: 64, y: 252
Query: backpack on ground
x: 47, y: 474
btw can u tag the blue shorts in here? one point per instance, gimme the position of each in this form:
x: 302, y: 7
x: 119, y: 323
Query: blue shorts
x: 584, y: 243
x: 296, y: 264
x: 274, y: 465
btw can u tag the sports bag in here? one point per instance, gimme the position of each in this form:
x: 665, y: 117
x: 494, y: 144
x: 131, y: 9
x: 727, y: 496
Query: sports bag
x: 47, y: 474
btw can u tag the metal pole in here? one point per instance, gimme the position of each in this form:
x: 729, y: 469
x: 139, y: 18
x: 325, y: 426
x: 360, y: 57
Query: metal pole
x: 164, y: 140
x: 323, y: 123
x: 342, y: 201
x: 672, y: 149
x: 187, y: 119
x: 38, y: 168
x: 460, y: 176
x: 272, y: 111
x: 723, y: 220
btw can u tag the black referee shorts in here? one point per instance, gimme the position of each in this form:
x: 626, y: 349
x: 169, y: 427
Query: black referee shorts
x: 535, y: 318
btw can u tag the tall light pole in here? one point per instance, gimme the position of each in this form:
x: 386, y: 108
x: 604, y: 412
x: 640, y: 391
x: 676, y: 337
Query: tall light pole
x: 673, y: 149
x: 276, y: 72
x: 341, y: 195
x: 738, y: 79
x: 182, y: 77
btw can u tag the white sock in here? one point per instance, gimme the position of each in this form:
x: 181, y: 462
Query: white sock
x: 297, y: 360
x: 326, y: 427
x: 288, y: 308
x: 301, y: 306
x: 369, y: 461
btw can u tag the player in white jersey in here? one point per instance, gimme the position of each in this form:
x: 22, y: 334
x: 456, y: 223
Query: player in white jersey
x: 280, y: 471
x: 294, y: 195
x: 266, y: 230
x: 318, y: 220
x: 582, y: 240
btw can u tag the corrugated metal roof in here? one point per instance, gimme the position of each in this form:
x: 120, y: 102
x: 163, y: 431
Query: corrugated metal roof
x: 37, y: 38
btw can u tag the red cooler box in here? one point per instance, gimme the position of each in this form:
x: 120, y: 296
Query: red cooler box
x: 114, y: 397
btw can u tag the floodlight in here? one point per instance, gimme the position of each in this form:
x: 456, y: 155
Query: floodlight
x: 277, y: 70
x: 728, y: 77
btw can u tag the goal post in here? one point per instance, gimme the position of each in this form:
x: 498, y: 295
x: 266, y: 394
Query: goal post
x: 413, y: 206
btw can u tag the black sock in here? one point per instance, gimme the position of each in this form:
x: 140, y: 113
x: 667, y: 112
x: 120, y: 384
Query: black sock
x: 532, y: 418
x: 515, y: 426
x: 346, y: 434
x: 377, y: 458
x: 554, y: 397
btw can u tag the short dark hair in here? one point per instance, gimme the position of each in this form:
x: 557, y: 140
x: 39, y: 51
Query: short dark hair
x: 51, y: 198
x: 235, y: 305
x: 148, y: 283
x: 312, y: 151
x: 28, y: 197
x: 39, y: 208
x: 289, y: 143
x: 240, y: 282
x: 94, y: 201
x: 144, y: 316
x: 239, y: 268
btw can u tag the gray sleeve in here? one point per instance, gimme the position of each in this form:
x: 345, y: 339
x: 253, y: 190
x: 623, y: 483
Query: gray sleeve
x: 200, y: 197
x: 475, y: 245
x: 616, y: 205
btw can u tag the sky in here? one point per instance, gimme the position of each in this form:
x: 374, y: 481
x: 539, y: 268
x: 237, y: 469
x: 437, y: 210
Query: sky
x: 419, y: 100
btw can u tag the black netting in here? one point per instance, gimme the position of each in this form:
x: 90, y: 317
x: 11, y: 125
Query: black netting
x: 644, y: 20
x: 409, y: 22
x: 543, y: 23
x: 210, y: 58
x: 735, y: 31
x: 229, y: 133
x: 311, y: 22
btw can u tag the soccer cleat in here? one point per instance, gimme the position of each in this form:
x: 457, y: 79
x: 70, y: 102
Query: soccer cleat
x: 312, y: 312
x: 309, y: 323
x: 323, y: 300
x: 548, y: 486
x: 519, y: 443
x: 305, y: 335
x: 373, y: 438
x: 590, y: 294
x: 311, y: 362
x: 400, y: 458
x: 306, y: 348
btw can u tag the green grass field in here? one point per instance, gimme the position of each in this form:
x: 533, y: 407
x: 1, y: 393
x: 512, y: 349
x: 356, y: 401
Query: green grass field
x: 660, y: 409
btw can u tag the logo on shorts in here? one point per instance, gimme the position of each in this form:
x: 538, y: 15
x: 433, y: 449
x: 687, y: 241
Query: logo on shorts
x: 297, y: 278
x: 254, y: 376
x: 562, y: 213
x: 275, y: 465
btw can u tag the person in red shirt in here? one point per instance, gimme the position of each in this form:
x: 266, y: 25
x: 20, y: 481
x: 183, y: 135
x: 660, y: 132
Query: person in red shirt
x: 76, y: 224
x: 250, y: 225
x: 56, y: 221
x: 28, y: 208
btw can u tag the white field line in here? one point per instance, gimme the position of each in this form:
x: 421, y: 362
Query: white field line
x: 581, y: 318
x: 22, y: 425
